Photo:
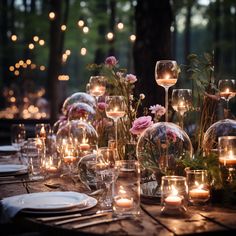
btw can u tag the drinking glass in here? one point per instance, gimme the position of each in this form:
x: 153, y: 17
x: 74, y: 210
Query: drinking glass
x: 166, y: 75
x: 227, y: 90
x: 42, y: 130
x: 97, y: 86
x: 227, y: 156
x: 106, y: 172
x: 115, y: 109
x: 18, y: 135
x: 181, y: 102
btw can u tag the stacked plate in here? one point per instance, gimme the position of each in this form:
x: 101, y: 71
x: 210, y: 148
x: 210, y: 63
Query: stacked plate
x: 49, y: 203
x: 8, y: 149
x: 12, y: 169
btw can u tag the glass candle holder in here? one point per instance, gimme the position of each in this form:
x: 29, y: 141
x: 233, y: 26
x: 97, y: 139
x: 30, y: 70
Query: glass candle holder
x: 126, y: 196
x: 174, y: 191
x: 227, y: 156
x: 199, y: 192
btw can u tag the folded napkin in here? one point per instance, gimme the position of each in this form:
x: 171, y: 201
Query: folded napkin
x: 9, y: 208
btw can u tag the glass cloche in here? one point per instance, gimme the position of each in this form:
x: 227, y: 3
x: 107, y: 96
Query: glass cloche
x: 226, y: 127
x: 159, y: 149
x: 78, y: 97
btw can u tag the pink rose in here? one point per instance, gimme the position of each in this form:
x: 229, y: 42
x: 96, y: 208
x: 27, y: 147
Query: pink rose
x: 140, y: 124
x: 130, y: 78
x: 171, y: 136
x: 102, y: 106
x: 111, y: 61
x: 158, y: 110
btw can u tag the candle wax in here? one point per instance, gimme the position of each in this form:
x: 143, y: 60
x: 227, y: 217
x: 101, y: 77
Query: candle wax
x: 69, y: 158
x: 197, y: 193
x: 115, y: 114
x: 173, y: 200
x: 84, y: 146
x: 228, y: 160
x: 124, y: 202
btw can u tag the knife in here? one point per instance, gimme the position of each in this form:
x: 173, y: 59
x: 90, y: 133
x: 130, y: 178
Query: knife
x: 80, y: 218
x: 78, y: 226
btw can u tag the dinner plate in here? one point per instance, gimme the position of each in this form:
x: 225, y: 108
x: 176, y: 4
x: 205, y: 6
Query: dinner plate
x: 12, y: 169
x: 8, y: 149
x: 52, y: 201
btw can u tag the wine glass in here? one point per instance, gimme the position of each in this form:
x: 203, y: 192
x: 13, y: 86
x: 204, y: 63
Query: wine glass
x: 97, y: 86
x: 18, y: 135
x: 166, y: 75
x: 115, y: 109
x: 227, y: 90
x: 227, y: 156
x: 106, y: 172
x: 181, y: 102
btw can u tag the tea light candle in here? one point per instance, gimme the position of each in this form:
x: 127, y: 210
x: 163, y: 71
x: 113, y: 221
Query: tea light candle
x: 228, y: 160
x: 124, y: 202
x: 173, y: 199
x: 84, y: 146
x: 69, y: 158
x: 42, y: 132
x: 199, y: 193
x: 98, y: 90
x: 116, y: 113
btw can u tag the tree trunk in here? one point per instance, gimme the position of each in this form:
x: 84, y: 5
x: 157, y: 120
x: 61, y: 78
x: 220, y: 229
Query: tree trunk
x: 112, y: 26
x: 54, y: 60
x: 153, y: 43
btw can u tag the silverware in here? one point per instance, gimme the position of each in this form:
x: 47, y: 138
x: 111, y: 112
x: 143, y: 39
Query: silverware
x: 48, y: 219
x: 95, y: 192
x: 78, y: 226
x: 17, y: 181
x: 80, y: 218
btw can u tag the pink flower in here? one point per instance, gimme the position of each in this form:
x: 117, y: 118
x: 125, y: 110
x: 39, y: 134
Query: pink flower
x: 111, y: 61
x: 140, y: 124
x: 102, y: 106
x: 157, y: 110
x: 130, y: 78
x: 171, y: 136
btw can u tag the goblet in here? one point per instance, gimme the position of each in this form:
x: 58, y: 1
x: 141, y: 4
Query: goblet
x: 166, y: 75
x: 106, y: 172
x: 97, y: 86
x: 115, y: 109
x: 227, y: 90
x: 227, y: 155
x: 181, y: 102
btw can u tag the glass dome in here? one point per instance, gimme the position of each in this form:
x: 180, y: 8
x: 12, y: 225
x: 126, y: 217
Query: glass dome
x: 78, y: 97
x: 83, y: 136
x: 80, y: 110
x: 224, y: 127
x: 159, y: 149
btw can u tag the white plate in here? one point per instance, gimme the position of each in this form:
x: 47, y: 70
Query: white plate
x: 8, y: 149
x: 53, y: 201
x: 12, y: 169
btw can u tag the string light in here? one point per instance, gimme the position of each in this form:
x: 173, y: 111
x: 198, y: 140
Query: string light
x: 110, y: 36
x: 63, y: 77
x: 24, y: 65
x: 11, y: 68
x: 41, y: 42
x: 13, y: 37
x: 63, y: 27
x: 132, y: 37
x: 52, y: 15
x: 16, y: 73
x: 68, y: 52
x: 120, y: 26
x: 28, y: 61
x: 31, y: 46
x: 83, y: 51
x: 80, y: 23
x: 42, y: 68
x: 85, y: 29
x: 21, y: 62
x: 36, y: 38
x: 64, y: 57
x: 32, y: 66
x: 17, y: 65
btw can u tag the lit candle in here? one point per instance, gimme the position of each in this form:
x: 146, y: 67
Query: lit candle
x: 98, y: 90
x: 166, y: 81
x: 124, y: 202
x: 228, y: 160
x: 199, y: 193
x: 69, y: 158
x: 42, y: 132
x: 115, y: 113
x: 173, y: 199
x: 49, y: 165
x: 84, y: 146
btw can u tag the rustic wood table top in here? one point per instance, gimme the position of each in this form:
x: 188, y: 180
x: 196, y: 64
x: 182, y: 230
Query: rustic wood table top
x: 202, y: 220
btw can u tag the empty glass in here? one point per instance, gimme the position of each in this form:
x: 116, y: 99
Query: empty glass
x: 18, y: 135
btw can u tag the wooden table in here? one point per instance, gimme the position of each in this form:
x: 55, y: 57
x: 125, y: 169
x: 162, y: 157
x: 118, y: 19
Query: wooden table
x: 150, y: 222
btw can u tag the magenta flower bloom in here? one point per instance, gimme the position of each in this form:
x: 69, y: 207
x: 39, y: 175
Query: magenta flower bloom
x: 130, y: 78
x: 102, y: 106
x: 140, y: 124
x: 111, y: 61
x: 157, y: 110
x: 171, y: 136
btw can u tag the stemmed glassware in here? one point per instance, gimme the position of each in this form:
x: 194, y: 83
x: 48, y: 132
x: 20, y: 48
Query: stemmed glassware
x: 181, y: 102
x: 227, y: 156
x: 227, y: 90
x: 166, y: 75
x: 18, y: 135
x: 115, y: 109
x: 106, y: 172
x: 97, y: 86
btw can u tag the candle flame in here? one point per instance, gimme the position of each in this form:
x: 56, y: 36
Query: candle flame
x: 167, y: 76
x: 174, y: 191
x: 231, y: 156
x: 121, y: 190
x: 227, y: 90
x: 42, y: 132
x: 199, y: 186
